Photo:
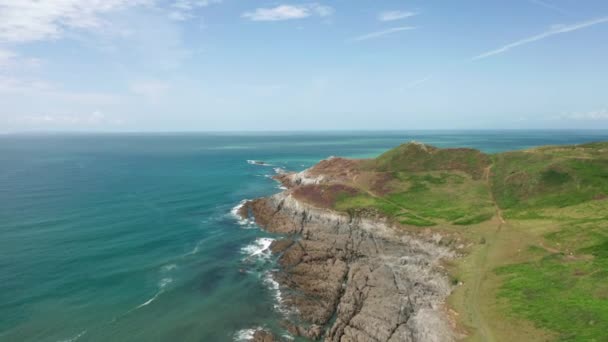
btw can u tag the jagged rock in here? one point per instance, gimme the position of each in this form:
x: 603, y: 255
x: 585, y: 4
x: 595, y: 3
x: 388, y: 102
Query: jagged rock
x: 356, y: 276
x: 279, y: 246
x: 263, y: 336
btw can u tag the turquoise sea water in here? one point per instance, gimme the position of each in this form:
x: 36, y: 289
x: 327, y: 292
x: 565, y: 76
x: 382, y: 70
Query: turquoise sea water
x: 130, y: 238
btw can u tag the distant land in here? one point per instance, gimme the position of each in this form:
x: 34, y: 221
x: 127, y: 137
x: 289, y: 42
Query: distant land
x: 430, y: 244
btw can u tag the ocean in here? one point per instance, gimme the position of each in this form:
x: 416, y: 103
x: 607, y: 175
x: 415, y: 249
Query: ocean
x: 131, y: 237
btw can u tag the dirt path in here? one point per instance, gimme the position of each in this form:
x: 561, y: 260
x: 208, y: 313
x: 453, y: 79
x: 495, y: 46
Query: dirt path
x: 484, y: 332
x: 480, y: 270
x: 369, y: 192
x: 486, y: 176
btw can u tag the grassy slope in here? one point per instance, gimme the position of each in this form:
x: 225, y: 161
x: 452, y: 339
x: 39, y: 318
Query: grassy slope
x: 428, y: 186
x: 539, y: 274
x: 557, y: 193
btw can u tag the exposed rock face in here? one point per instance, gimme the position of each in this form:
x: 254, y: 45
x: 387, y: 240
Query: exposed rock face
x: 333, y: 169
x: 263, y: 336
x: 356, y: 278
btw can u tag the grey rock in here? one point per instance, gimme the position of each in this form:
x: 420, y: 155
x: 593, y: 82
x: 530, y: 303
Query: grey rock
x: 357, y: 278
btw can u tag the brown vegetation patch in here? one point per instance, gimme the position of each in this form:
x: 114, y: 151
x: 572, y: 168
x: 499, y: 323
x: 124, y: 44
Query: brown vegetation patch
x: 416, y: 157
x: 323, y: 196
x: 341, y: 168
x: 380, y: 183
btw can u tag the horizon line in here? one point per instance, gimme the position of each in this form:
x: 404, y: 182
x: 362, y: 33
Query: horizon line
x: 83, y: 132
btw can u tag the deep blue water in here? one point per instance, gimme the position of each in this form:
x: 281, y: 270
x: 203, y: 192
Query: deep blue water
x: 129, y: 237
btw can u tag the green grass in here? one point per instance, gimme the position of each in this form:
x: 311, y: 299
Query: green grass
x: 550, y: 176
x: 414, y: 157
x: 469, y: 220
x: 568, y: 297
x: 565, y: 292
x: 560, y: 189
x: 427, y: 198
x: 409, y: 219
x: 447, y: 197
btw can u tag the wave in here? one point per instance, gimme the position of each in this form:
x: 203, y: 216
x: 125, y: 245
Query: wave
x: 195, y: 250
x: 258, y: 163
x: 162, y: 285
x: 245, y: 222
x: 274, y: 286
x: 168, y: 268
x: 75, y: 338
x: 259, y: 249
x: 245, y: 335
x: 149, y: 301
x: 164, y: 282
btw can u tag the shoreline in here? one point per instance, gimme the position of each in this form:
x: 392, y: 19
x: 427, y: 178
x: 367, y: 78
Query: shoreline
x: 353, y: 276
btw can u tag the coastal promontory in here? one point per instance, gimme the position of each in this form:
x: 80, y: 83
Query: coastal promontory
x: 431, y: 244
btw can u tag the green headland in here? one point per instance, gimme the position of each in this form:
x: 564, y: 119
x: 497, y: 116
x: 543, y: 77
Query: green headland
x: 534, y: 222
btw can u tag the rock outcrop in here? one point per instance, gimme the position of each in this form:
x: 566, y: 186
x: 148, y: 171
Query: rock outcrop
x: 263, y: 336
x: 356, y: 277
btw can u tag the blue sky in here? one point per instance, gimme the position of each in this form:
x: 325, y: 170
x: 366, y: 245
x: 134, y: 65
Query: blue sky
x: 201, y: 65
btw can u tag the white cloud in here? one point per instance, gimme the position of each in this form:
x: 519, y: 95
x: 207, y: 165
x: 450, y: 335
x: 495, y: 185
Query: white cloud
x: 13, y: 87
x: 31, y: 20
x: 93, y: 119
x: 549, y: 6
x: 558, y: 29
x: 599, y: 114
x: 6, y: 57
x: 383, y: 33
x: 151, y: 88
x: 182, y: 9
x: 395, y: 15
x: 19, y: 85
x: 288, y: 12
x: 12, y: 60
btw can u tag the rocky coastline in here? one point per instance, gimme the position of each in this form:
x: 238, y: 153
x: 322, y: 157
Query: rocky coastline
x: 356, y: 276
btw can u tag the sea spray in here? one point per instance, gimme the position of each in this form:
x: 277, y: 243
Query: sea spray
x: 258, y: 163
x: 244, y: 222
x: 258, y: 250
x: 245, y: 335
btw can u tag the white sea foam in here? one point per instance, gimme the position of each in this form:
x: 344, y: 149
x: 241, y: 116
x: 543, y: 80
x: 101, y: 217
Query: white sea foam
x: 74, y: 338
x: 149, y: 301
x: 163, y: 283
x: 245, y: 222
x: 196, y: 248
x: 168, y: 268
x: 258, y: 163
x: 274, y: 286
x: 245, y: 335
x: 259, y: 249
x: 279, y: 170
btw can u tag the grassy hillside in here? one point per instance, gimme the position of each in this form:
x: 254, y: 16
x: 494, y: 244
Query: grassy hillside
x: 416, y: 157
x: 539, y: 269
x: 420, y: 185
x: 550, y: 177
x: 560, y: 194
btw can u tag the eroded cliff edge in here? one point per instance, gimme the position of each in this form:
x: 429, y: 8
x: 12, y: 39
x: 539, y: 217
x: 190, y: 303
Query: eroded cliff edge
x: 354, y: 276
x: 362, y: 255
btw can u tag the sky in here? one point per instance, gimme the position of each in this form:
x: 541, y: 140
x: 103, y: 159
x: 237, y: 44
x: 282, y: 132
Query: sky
x: 247, y: 65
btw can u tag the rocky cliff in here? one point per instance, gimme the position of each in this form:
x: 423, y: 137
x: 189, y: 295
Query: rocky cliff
x: 356, y: 277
